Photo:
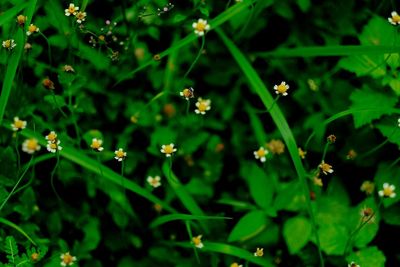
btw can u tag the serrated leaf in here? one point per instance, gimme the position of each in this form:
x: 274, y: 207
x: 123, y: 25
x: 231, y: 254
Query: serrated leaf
x: 248, y: 226
x: 368, y: 257
x: 371, y: 105
x: 11, y: 249
x: 297, y: 232
x: 260, y: 184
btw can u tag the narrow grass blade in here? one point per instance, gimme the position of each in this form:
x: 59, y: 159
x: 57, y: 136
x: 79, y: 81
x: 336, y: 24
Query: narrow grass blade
x: 183, y: 217
x: 16, y: 227
x: 256, y: 125
x: 12, y: 13
x: 279, y: 119
x: 328, y: 51
x: 222, y: 248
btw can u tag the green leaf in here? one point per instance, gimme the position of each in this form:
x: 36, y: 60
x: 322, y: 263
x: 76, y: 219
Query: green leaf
x: 333, y: 238
x: 249, y: 226
x: 11, y: 249
x: 391, y: 215
x: 261, y: 186
x: 368, y: 257
x: 297, y: 232
x: 390, y: 130
x: 60, y: 102
x: 12, y: 13
x: 375, y: 105
x: 184, y: 217
x: 92, y: 235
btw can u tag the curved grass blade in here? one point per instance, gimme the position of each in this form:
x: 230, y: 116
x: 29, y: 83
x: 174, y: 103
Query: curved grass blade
x: 16, y: 227
x: 222, y: 248
x: 184, y: 217
x: 258, y: 86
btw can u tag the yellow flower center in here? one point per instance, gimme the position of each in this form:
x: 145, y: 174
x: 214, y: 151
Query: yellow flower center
x: 387, y: 191
x: 168, y: 149
x: 51, y: 137
x: 96, y: 144
x: 326, y: 167
x: 53, y: 146
x: 202, y: 106
x: 102, y: 38
x: 196, y: 240
x: 7, y: 43
x: 32, y: 144
x: 187, y: 93
x: 153, y: 182
x: 32, y: 28
x: 259, y: 252
x: 67, y: 259
x: 19, y: 124
x: 281, y: 88
x: 120, y: 154
x: 21, y: 19
x: 35, y: 256
x: 261, y: 153
x: 234, y: 264
x: 80, y: 15
x: 71, y: 9
x: 200, y: 26
x: 396, y: 18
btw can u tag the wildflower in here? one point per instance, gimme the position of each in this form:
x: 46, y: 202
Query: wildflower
x: 51, y: 137
x: 395, y: 19
x: 21, y: 19
x: 187, y: 93
x: 351, y: 154
x: 276, y: 146
x: 367, y: 187
x: 200, y: 27
x: 120, y: 155
x: 154, y: 181
x: 48, y: 84
x: 32, y: 29
x: 80, y: 17
x: 367, y: 215
x: 318, y: 181
x: 35, y: 256
x: 353, y: 264
x: 236, y: 264
x: 53, y: 147
x: 71, y: 10
x: 325, y: 168
x: 331, y: 139
x: 157, y: 57
x: 259, y: 252
x: 261, y: 153
x: 388, y: 191
x: 9, y: 44
x: 281, y: 89
x: 96, y: 145
x: 202, y: 105
x: 68, y: 68
x: 197, y: 241
x: 302, y: 153
x: 168, y: 150
x: 18, y: 124
x: 27, y: 47
x: 67, y: 259
x: 30, y: 146
x: 165, y: 9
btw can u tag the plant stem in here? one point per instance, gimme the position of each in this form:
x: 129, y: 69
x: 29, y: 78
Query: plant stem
x: 273, y: 103
x: 324, y: 153
x: 189, y: 230
x: 18, y: 155
x: 56, y: 103
x: 203, y: 41
x: 52, y: 175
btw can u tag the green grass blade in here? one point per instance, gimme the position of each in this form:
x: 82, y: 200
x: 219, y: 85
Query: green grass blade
x: 13, y: 61
x: 257, y: 126
x: 12, y: 13
x: 230, y: 250
x: 94, y: 166
x: 214, y: 23
x: 16, y: 227
x: 328, y: 51
x: 184, y: 217
x: 279, y: 119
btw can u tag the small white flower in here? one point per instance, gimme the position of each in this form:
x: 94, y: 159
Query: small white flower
x: 197, y: 241
x: 120, y: 155
x: 395, y: 19
x: 281, y: 89
x: 30, y: 146
x: 200, y: 27
x: 67, y: 259
x: 9, y: 44
x: 261, y: 153
x: 80, y: 17
x: 32, y: 29
x: 96, y: 145
x: 259, y: 252
x: 168, y: 150
x: 202, y: 105
x: 388, y: 191
x: 187, y: 93
x: 53, y: 147
x: 71, y: 10
x: 18, y: 124
x: 51, y: 137
x: 154, y: 181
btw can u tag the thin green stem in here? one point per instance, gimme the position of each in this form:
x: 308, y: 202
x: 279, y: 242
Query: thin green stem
x: 189, y: 230
x: 16, y: 185
x: 187, y: 107
x: 122, y: 175
x: 56, y: 103
x: 325, y: 151
x: 18, y: 155
x: 48, y: 47
x: 273, y: 103
x: 203, y: 42
x: 53, y: 173
x: 100, y: 165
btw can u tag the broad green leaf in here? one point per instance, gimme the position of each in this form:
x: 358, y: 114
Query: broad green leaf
x: 374, y: 103
x: 333, y: 238
x: 248, y: 226
x: 391, y: 215
x: 390, y: 130
x: 297, y: 232
x: 370, y: 230
x: 261, y: 186
x: 368, y: 257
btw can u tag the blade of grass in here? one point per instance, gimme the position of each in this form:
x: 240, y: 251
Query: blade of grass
x: 214, y: 23
x: 328, y: 51
x: 229, y: 250
x: 12, y: 13
x: 185, y: 217
x: 256, y: 125
x: 279, y: 119
x: 13, y: 61
x: 16, y: 227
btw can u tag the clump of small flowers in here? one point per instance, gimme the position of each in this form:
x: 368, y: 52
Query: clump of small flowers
x: 325, y: 168
x: 368, y: 187
x: 302, y: 153
x: 353, y: 264
x: 51, y: 137
x: 187, y: 93
x: 165, y: 9
x: 394, y: 19
x: 80, y: 17
x: 200, y: 27
x: 259, y: 252
x: 281, y: 89
x: 276, y: 146
x: 154, y: 181
x: 96, y: 145
x: 53, y: 147
x: 202, y: 105
x: 30, y: 146
x: 367, y: 215
x: 48, y: 84
x: 9, y: 44
x: 71, y: 10
x: 21, y: 19
x: 120, y: 154
x: 32, y: 29
x: 261, y: 154
x: 388, y: 191
x: 67, y: 259
x: 168, y: 150
x: 197, y: 241
x: 18, y: 124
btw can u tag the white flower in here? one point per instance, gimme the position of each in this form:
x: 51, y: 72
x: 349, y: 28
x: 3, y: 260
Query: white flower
x: 388, y: 191
x: 281, y: 89
x: 32, y: 29
x: 51, y: 137
x: 18, y: 124
x: 202, y: 105
x: 200, y: 27
x: 395, y: 19
x: 120, y: 155
x: 168, y: 150
x: 353, y: 264
x: 154, y: 181
x: 67, y: 259
x: 96, y: 145
x: 9, y: 44
x: 261, y: 153
x: 30, y: 146
x: 187, y: 93
x: 259, y: 252
x: 197, y: 241
x: 80, y: 17
x: 71, y: 10
x: 54, y: 146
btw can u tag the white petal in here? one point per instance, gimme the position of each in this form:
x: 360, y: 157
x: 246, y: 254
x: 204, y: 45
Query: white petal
x: 385, y: 185
x: 380, y: 193
x: 394, y: 13
x: 197, y: 111
x: 392, y: 187
x: 393, y: 195
x: 168, y: 155
x: 263, y: 159
x: 194, y: 25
